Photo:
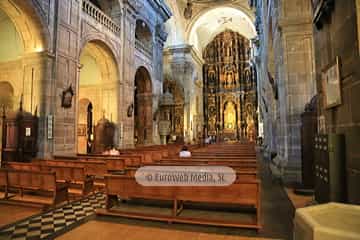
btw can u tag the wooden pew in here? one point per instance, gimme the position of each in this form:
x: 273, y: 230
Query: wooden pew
x: 92, y: 168
x: 131, y: 160
x: 241, y: 193
x: 40, y: 182
x: 210, y: 159
x: 95, y: 166
x: 222, y: 154
x: 75, y: 177
x: 249, y: 165
x: 242, y: 172
x: 3, y: 183
x: 23, y: 166
x: 148, y: 155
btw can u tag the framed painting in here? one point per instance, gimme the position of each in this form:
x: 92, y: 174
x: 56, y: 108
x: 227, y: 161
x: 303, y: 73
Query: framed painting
x: 331, y: 84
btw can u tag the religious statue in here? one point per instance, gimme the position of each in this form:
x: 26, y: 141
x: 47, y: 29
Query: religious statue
x: 230, y: 116
x: 211, y: 75
x: 250, y: 124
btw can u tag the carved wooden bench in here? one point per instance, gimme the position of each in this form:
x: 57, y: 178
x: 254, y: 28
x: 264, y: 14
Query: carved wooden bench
x: 244, y: 193
x: 76, y: 178
x: 26, y: 183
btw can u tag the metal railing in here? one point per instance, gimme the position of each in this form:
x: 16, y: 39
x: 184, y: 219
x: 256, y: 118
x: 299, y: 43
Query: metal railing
x: 94, y: 12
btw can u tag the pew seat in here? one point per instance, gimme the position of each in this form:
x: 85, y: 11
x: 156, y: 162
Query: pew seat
x: 33, y: 187
x: 78, y: 182
x: 243, y: 193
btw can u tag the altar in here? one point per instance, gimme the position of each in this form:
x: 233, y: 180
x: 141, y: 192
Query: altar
x: 230, y: 89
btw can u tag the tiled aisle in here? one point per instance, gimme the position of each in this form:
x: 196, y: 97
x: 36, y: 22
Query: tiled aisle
x: 54, y: 222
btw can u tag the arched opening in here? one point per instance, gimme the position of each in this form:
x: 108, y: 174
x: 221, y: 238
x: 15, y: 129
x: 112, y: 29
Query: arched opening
x: 6, y: 95
x: 85, y: 126
x: 143, y: 36
x: 214, y: 21
x: 98, y: 91
x: 22, y: 63
x: 143, y: 107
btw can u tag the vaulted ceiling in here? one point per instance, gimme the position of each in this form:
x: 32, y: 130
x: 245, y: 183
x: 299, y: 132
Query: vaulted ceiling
x: 208, y: 18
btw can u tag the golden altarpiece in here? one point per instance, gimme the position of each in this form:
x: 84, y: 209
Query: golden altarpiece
x: 230, y: 98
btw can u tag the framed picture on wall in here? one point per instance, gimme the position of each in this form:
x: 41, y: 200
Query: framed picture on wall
x: 331, y: 84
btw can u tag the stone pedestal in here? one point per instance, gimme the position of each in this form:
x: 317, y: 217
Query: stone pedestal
x: 331, y: 221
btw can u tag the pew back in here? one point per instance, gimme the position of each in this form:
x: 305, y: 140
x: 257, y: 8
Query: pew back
x: 35, y: 180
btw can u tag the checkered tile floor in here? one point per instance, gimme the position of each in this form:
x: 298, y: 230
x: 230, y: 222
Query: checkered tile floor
x: 47, y: 225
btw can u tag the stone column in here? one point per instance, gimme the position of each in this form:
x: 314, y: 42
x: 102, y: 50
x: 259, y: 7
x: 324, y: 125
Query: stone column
x: 127, y: 72
x: 67, y: 34
x: 296, y: 81
x: 160, y: 38
x: 182, y: 70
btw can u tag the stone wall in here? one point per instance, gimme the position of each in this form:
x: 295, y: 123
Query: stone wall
x: 185, y: 68
x: 287, y: 81
x: 339, y: 38
x: 65, y: 28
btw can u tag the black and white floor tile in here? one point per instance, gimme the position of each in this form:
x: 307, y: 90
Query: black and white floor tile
x: 50, y: 224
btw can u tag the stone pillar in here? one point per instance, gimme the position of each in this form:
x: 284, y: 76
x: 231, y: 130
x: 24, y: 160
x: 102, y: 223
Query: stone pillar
x: 67, y: 31
x: 160, y: 38
x: 296, y: 81
x: 127, y: 72
x: 182, y: 70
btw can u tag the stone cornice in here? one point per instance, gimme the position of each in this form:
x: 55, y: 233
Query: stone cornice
x: 161, y: 8
x: 185, y: 49
x: 285, y: 23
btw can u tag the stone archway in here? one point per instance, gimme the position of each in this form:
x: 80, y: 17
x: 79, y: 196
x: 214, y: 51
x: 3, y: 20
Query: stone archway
x: 22, y: 41
x: 143, y: 107
x: 23, y: 64
x: 143, y: 34
x: 6, y: 103
x: 6, y: 96
x: 98, y: 85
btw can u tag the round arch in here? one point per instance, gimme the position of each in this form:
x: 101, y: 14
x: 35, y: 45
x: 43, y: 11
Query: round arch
x: 99, y: 85
x: 143, y: 33
x: 143, y: 107
x: 98, y: 38
x: 30, y: 39
x: 34, y: 33
x: 6, y: 95
x: 236, y: 18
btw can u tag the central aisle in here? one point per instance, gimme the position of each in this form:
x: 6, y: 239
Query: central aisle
x: 277, y: 213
